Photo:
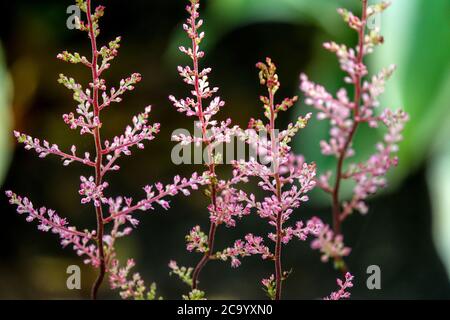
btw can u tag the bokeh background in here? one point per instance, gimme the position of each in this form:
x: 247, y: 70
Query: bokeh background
x: 407, y: 231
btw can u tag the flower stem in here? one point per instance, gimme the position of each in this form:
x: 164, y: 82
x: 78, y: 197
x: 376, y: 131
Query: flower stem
x: 98, y: 151
x: 211, y: 165
x: 279, y: 222
x: 337, y: 218
x: 206, y: 257
x: 278, y: 246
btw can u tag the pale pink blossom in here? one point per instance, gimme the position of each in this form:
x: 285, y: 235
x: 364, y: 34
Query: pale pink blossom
x: 330, y: 245
x: 343, y: 292
x: 197, y: 240
x: 251, y: 245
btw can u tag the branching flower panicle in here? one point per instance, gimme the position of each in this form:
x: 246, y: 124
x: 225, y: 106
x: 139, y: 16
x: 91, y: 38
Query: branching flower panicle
x: 203, y: 105
x: 346, y: 115
x: 97, y: 246
x: 287, y: 179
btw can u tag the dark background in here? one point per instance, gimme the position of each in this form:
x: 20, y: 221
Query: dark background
x: 396, y: 234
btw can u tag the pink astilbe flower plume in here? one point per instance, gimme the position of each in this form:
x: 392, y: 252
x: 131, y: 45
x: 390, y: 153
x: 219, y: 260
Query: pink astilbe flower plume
x: 330, y: 245
x: 203, y: 105
x: 97, y: 246
x: 286, y: 179
x: 346, y: 114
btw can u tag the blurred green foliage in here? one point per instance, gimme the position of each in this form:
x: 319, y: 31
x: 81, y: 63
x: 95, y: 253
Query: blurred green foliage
x: 5, y: 117
x: 224, y: 16
x: 418, y: 41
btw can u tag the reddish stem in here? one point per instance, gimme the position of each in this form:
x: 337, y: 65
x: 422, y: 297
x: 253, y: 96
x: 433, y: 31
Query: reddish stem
x: 213, y: 226
x: 337, y: 221
x: 279, y: 222
x: 98, y: 151
x: 206, y: 257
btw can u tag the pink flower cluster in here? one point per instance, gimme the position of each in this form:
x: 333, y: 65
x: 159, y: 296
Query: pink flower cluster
x: 329, y: 244
x: 251, y: 246
x: 342, y: 293
x: 225, y: 206
x: 133, y: 288
x: 98, y: 246
x: 228, y: 207
x: 197, y: 240
x: 92, y: 192
x: 345, y: 116
x: 337, y: 110
x: 288, y: 200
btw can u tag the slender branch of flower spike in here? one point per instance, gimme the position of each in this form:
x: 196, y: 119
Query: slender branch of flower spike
x: 134, y: 136
x: 45, y: 149
x: 357, y: 83
x: 98, y: 150
x: 125, y: 85
x: 49, y: 220
x: 170, y: 190
x: 53, y: 220
x: 110, y: 164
